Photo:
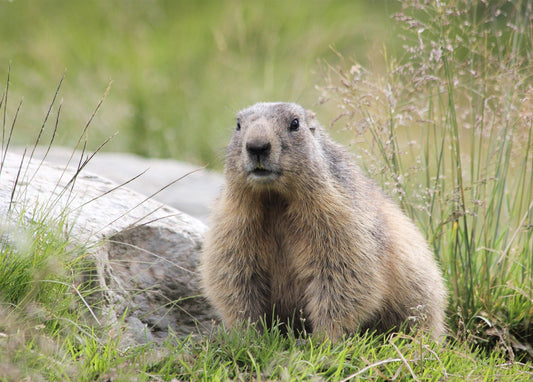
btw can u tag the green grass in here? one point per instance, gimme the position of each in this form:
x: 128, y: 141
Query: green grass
x: 243, y: 353
x: 445, y: 127
x: 41, y: 300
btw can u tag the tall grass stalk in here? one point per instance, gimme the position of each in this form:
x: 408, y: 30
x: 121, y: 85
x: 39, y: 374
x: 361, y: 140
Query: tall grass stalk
x: 42, y: 288
x: 449, y: 132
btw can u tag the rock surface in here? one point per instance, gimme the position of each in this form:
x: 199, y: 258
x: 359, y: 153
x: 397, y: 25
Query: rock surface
x: 193, y: 194
x: 145, y: 253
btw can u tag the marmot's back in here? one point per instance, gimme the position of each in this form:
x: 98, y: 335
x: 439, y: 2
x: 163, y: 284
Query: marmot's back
x: 301, y: 232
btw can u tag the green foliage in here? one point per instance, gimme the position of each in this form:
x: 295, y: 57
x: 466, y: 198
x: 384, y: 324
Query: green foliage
x: 39, y: 298
x: 36, y: 252
x: 244, y: 354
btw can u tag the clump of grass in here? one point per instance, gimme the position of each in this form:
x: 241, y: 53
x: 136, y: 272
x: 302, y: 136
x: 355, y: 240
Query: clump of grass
x: 42, y: 289
x: 449, y: 134
x: 39, y: 298
x: 245, y: 354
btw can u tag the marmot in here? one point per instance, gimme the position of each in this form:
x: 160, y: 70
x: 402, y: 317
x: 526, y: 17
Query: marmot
x: 301, y: 233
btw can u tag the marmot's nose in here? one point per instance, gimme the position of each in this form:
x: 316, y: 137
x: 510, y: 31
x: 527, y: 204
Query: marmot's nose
x: 258, y: 148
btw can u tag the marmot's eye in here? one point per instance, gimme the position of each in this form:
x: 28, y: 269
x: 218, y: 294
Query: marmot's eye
x: 238, y: 126
x: 295, y: 124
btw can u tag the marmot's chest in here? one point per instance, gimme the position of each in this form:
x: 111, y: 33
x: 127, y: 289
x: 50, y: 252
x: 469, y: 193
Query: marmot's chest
x: 287, y: 287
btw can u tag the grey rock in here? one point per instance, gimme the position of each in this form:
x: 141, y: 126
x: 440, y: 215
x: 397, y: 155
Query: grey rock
x: 145, y: 253
x: 193, y: 194
x: 136, y: 332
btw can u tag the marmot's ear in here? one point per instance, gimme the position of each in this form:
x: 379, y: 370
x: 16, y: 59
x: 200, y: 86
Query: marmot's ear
x: 312, y: 122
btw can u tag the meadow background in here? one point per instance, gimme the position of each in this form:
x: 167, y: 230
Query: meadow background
x: 180, y: 69
x: 434, y: 98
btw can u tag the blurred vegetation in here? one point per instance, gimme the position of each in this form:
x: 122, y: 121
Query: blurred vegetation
x: 180, y: 69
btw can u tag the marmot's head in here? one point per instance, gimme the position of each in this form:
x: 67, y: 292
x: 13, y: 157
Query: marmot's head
x: 273, y: 145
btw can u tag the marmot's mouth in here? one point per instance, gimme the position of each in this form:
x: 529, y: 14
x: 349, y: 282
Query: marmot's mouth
x: 261, y: 172
x: 262, y: 175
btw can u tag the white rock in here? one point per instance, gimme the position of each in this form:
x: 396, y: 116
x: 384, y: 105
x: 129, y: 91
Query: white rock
x: 193, y: 194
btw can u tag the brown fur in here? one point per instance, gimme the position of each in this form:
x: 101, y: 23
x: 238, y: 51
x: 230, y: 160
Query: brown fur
x: 299, y: 230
